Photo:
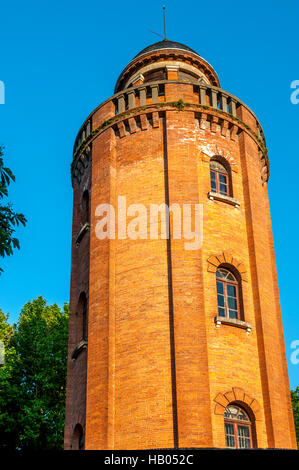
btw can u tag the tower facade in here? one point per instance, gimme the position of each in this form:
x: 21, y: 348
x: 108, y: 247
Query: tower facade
x: 170, y: 344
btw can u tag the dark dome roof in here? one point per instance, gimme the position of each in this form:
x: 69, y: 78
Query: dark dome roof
x: 165, y: 44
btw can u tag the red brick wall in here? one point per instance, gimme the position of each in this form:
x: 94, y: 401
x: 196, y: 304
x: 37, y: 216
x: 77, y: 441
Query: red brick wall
x: 76, y: 375
x: 144, y: 322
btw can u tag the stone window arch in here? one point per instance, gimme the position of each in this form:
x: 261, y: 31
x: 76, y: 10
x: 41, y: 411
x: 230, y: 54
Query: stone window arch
x: 241, y: 398
x: 238, y: 395
x: 227, y: 258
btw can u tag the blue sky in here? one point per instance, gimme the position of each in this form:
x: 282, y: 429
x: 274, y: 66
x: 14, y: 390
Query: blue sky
x: 59, y: 60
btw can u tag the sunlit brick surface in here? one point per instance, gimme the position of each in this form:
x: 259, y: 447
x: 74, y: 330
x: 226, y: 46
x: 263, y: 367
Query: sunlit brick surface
x: 148, y: 299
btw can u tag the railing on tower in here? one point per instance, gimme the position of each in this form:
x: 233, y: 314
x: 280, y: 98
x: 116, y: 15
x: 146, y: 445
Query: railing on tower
x: 154, y: 93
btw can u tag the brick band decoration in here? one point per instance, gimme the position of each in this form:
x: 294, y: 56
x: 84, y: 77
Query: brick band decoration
x: 237, y: 394
x: 226, y: 257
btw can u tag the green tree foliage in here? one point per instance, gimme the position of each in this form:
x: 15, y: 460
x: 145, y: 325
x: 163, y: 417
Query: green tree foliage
x: 33, y: 378
x: 295, y: 403
x: 9, y: 219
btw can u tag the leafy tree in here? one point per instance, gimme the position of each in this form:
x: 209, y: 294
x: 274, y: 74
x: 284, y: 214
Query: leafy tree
x: 9, y: 219
x: 295, y: 403
x: 33, y: 378
x: 9, y: 392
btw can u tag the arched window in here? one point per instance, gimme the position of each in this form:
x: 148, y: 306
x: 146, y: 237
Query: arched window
x: 228, y: 294
x: 220, y: 178
x: 238, y: 428
x: 78, y: 438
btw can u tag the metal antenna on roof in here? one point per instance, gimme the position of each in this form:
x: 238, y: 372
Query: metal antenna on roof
x: 164, y: 22
x: 158, y: 34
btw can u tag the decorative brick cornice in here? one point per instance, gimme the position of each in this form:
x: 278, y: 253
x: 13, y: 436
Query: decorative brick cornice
x: 237, y: 394
x: 225, y: 99
x: 214, y: 261
x: 79, y: 165
x: 205, y: 113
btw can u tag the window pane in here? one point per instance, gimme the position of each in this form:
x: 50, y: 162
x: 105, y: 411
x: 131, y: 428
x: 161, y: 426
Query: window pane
x: 231, y: 291
x: 213, y: 181
x: 232, y: 303
x: 244, y: 443
x: 230, y: 277
x: 244, y: 439
x: 229, y: 435
x: 221, y: 312
x: 229, y: 428
x: 222, y: 188
x: 242, y: 416
x: 217, y: 166
x: 243, y: 431
x: 221, y: 273
x: 234, y: 412
x: 220, y: 299
x: 233, y: 314
x: 222, y: 179
x: 220, y: 288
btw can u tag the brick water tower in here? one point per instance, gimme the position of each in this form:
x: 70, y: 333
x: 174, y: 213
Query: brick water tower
x: 173, y: 347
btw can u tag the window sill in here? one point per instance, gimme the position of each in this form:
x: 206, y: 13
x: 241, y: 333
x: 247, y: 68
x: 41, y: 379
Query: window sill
x: 78, y: 349
x: 232, y: 322
x: 220, y: 197
x: 81, y: 233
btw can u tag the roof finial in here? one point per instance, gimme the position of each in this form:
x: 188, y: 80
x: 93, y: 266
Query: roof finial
x: 164, y: 22
x: 158, y: 34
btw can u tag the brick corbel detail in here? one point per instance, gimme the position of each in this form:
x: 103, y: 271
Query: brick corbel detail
x: 226, y: 257
x: 156, y: 120
x: 224, y: 128
x: 233, y: 132
x: 121, y: 129
x: 222, y: 400
x: 132, y: 124
x: 144, y: 122
x: 214, y: 124
x: 203, y: 120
